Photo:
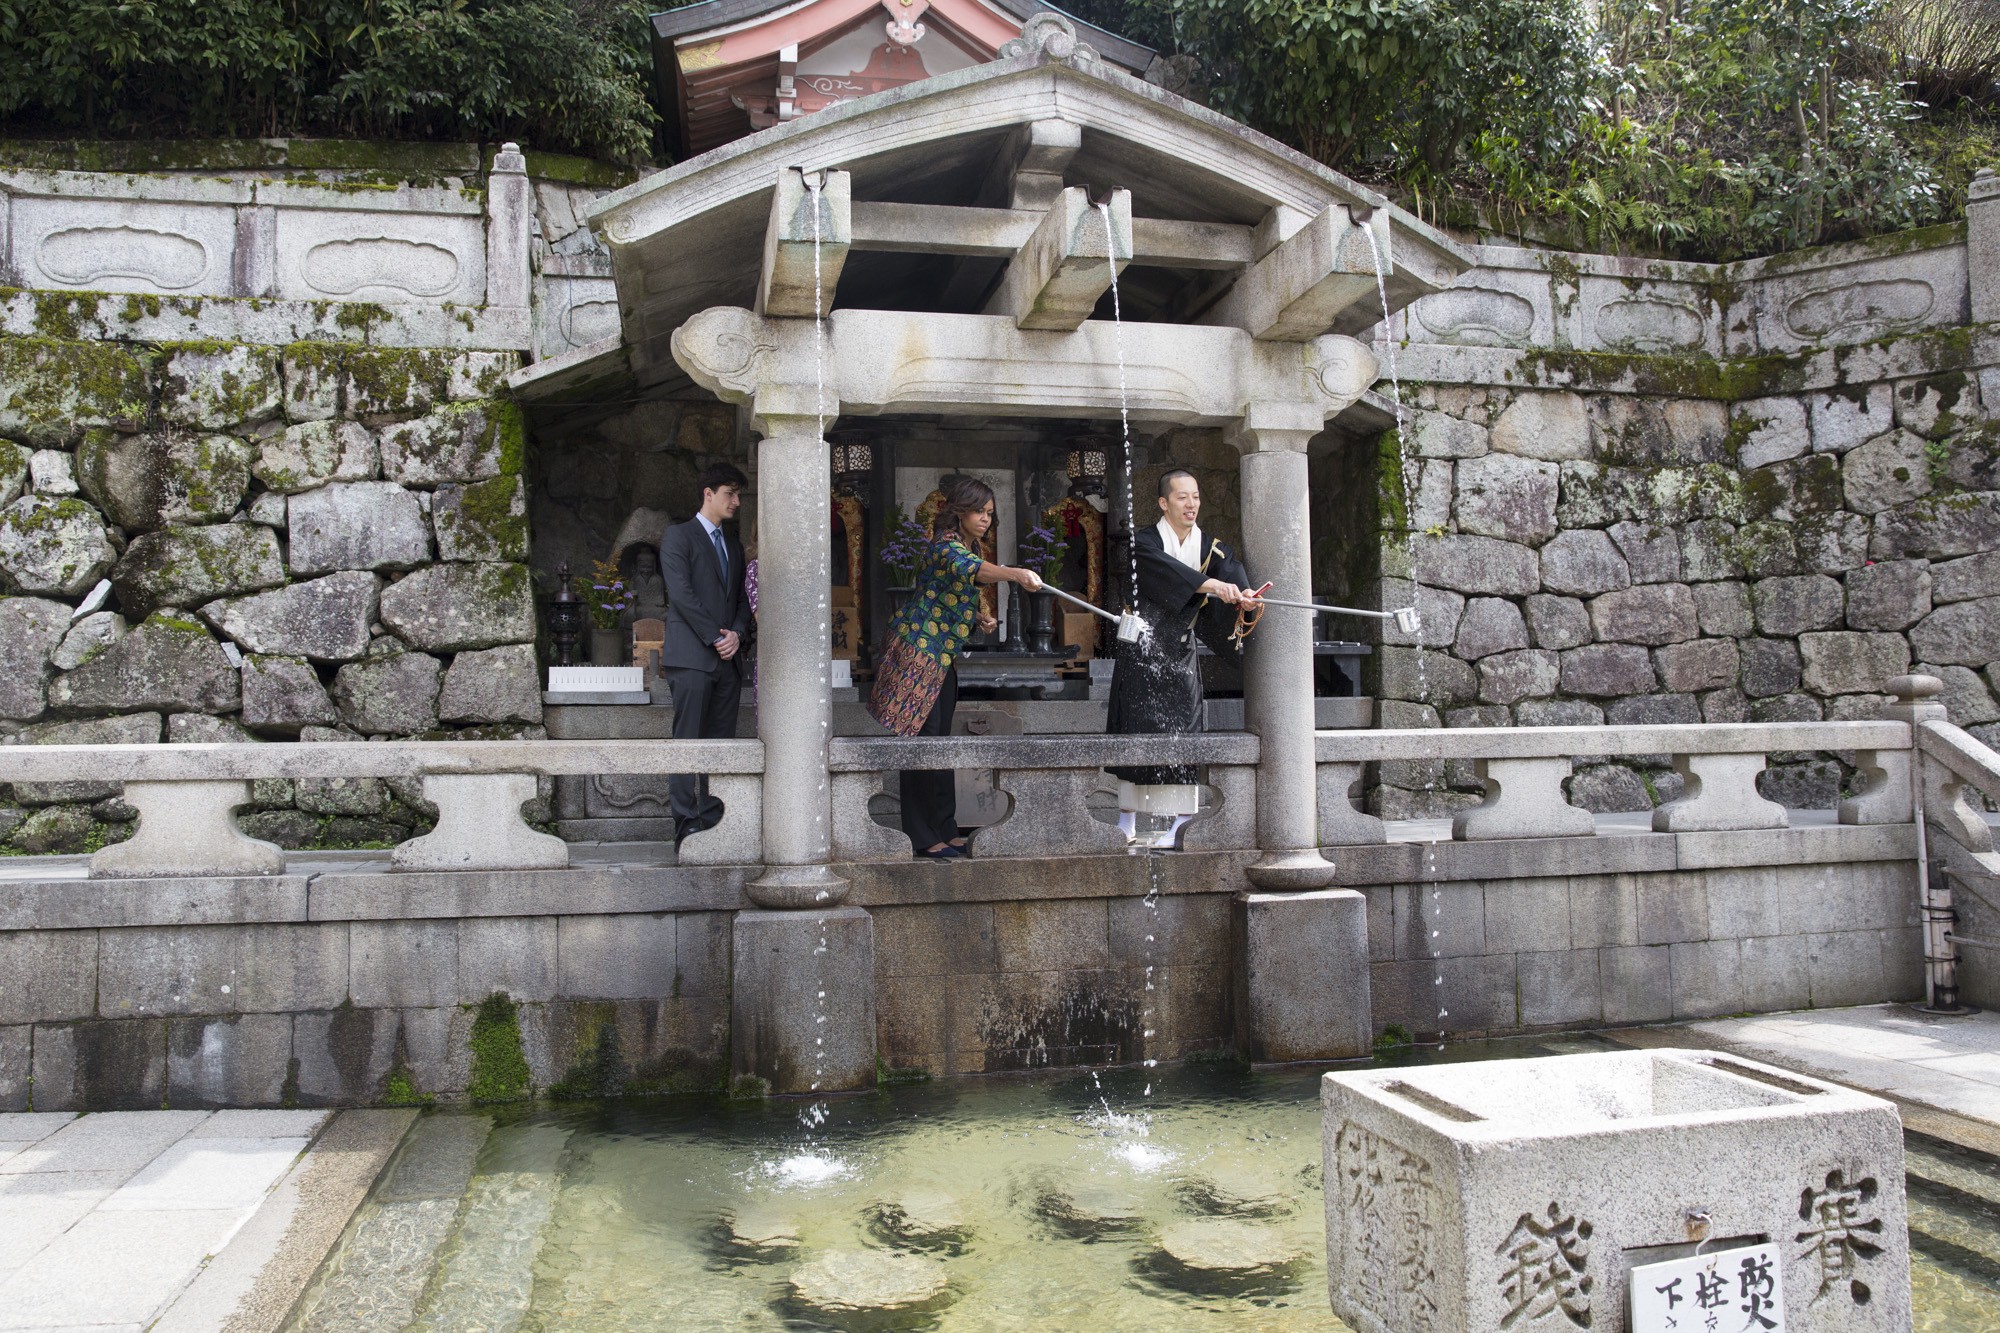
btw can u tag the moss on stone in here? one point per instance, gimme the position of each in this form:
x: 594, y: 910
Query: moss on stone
x: 51, y: 384
x: 579, y: 170
x: 499, y: 1068
x: 599, y: 1067
x: 512, y: 427
x: 1391, y: 485
x: 361, y: 317
x: 396, y: 379
x: 1673, y: 376
x: 63, y: 314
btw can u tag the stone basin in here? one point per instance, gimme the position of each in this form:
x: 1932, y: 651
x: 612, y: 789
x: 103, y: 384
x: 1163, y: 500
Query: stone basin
x: 1522, y: 1193
x: 1087, y: 1212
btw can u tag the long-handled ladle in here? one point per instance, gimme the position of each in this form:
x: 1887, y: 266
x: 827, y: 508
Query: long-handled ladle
x: 1404, y: 616
x: 1130, y: 627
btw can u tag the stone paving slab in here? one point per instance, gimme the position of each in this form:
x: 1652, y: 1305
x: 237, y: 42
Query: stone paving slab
x: 105, y: 1218
x: 1949, y: 1065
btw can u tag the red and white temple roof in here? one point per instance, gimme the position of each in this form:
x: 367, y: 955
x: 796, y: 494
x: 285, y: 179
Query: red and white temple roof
x: 737, y: 66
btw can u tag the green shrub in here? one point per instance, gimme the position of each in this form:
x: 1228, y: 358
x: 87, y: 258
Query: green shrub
x: 555, y: 74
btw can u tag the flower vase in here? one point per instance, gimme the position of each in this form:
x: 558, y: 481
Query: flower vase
x: 1041, y: 622
x: 607, y: 647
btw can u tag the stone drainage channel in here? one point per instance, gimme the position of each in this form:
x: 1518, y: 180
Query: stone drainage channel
x: 1002, y: 1203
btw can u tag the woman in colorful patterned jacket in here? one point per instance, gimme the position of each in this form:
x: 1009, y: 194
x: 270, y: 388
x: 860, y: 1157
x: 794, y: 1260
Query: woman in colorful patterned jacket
x: 916, y: 686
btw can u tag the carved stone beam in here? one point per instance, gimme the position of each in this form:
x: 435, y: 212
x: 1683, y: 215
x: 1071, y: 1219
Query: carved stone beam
x: 1301, y: 288
x: 999, y: 233
x: 885, y: 361
x: 788, y: 284
x: 1058, y: 276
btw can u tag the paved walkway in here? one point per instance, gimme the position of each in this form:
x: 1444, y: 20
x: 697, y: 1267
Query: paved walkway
x: 105, y: 1218
x: 1946, y: 1064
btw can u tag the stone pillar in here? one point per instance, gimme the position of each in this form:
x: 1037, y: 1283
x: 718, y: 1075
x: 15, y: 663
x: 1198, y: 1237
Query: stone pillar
x: 1300, y: 975
x: 794, y: 669
x: 802, y: 1007
x: 1278, y: 661
x: 510, y: 206
x: 1982, y: 246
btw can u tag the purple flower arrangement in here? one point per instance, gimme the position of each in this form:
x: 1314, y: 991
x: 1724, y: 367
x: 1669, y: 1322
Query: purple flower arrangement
x: 908, y: 546
x: 1043, y: 551
x: 606, y: 595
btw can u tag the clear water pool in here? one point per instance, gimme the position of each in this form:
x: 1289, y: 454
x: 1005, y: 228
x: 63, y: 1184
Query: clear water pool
x: 1068, y: 1200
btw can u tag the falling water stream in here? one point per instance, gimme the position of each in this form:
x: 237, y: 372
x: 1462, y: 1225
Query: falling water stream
x: 1407, y: 472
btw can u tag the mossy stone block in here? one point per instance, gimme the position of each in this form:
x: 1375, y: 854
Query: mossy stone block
x: 483, y: 520
x: 50, y: 388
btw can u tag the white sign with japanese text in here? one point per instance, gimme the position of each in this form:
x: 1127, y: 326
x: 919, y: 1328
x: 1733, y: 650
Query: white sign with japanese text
x: 1723, y: 1291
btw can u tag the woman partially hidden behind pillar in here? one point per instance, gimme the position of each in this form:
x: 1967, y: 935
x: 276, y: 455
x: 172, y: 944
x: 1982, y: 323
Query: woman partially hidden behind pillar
x: 1186, y: 578
x: 916, y: 685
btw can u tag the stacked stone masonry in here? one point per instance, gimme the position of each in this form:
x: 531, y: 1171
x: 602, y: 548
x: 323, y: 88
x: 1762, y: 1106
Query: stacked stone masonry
x: 1610, y: 552
x: 347, y: 986
x: 318, y: 541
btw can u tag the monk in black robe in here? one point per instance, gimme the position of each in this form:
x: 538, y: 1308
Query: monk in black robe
x: 1189, y: 586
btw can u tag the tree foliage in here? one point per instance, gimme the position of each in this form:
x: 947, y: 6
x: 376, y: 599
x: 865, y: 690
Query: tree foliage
x: 558, y: 74
x: 1701, y: 128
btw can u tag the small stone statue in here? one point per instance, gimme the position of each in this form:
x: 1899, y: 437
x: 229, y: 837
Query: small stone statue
x: 649, y: 590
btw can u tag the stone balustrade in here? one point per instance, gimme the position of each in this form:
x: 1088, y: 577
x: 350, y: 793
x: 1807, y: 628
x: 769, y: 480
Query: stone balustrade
x: 1524, y: 768
x: 1048, y: 781
x: 1955, y: 766
x: 187, y: 797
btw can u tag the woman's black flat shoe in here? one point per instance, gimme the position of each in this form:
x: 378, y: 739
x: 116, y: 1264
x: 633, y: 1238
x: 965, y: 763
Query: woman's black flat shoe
x: 945, y: 853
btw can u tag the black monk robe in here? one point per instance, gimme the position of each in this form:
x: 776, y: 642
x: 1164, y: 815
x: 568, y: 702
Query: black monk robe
x: 1156, y: 684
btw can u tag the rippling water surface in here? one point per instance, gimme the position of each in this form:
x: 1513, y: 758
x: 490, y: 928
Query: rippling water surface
x: 1059, y: 1201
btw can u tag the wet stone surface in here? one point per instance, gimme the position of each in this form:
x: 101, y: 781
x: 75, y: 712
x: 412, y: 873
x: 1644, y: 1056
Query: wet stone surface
x: 921, y: 1220
x: 1226, y: 1256
x: 857, y: 1288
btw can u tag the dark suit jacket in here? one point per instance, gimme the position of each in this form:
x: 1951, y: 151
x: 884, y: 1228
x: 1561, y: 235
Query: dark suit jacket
x: 699, y: 604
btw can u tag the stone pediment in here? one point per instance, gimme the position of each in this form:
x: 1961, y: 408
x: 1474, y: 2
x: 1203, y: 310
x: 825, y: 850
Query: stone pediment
x: 993, y: 146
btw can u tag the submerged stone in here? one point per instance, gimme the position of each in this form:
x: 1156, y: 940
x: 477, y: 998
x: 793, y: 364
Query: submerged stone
x: 1224, y: 1255
x: 1234, y: 1193
x: 757, y: 1235
x: 871, y: 1282
x: 1090, y: 1211
x: 922, y: 1220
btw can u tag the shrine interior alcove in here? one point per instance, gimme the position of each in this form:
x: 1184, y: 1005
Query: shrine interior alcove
x: 944, y: 188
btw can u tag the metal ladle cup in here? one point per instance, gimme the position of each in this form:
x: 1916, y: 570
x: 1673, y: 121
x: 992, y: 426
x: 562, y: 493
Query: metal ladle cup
x: 1130, y: 627
x: 1404, y: 616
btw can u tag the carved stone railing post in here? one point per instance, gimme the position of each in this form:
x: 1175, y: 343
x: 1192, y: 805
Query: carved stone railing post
x: 1049, y: 816
x: 738, y: 839
x: 1340, y: 823
x: 187, y: 828
x: 479, y: 827
x: 856, y: 835
x: 1721, y: 793
x: 1885, y: 794
x: 510, y: 207
x: 1231, y: 824
x: 1524, y: 799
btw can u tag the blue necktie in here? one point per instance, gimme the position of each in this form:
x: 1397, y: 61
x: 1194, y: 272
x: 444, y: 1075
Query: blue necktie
x: 721, y: 554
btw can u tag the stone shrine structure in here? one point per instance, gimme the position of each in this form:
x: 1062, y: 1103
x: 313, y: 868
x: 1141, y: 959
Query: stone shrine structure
x: 327, y: 418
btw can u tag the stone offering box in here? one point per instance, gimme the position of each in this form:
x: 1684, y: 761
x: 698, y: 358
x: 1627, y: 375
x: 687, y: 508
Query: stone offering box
x: 1518, y: 1195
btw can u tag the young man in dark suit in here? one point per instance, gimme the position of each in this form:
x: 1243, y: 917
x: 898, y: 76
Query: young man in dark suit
x: 708, y: 618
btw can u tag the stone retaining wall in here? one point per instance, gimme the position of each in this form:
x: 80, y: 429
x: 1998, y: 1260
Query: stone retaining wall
x: 1603, y: 549
x: 343, y: 986
x: 317, y: 541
